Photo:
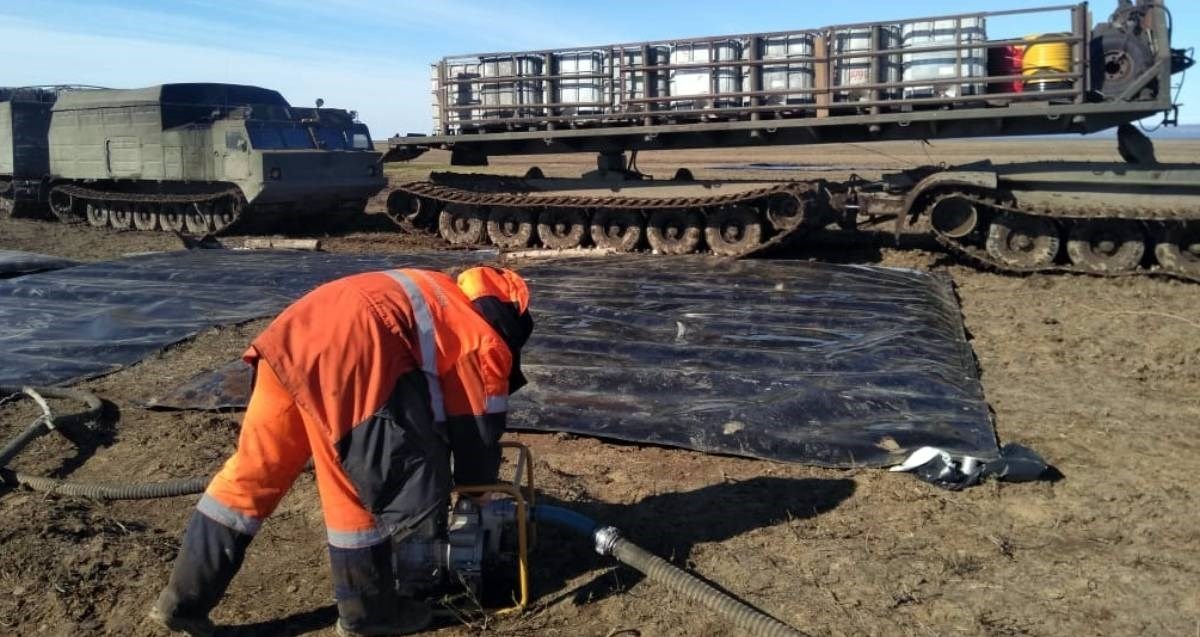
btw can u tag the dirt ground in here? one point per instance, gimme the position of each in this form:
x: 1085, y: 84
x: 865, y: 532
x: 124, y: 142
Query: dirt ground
x: 1100, y: 376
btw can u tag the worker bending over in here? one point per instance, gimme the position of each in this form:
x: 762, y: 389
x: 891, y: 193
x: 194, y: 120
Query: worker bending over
x: 378, y: 378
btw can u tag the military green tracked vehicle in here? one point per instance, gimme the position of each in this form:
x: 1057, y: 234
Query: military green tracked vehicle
x: 194, y: 158
x: 24, y: 149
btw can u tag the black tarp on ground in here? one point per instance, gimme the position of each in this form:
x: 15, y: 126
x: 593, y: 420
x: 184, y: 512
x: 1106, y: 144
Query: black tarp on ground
x: 803, y: 362
x: 799, y: 362
x: 62, y: 326
x: 16, y: 262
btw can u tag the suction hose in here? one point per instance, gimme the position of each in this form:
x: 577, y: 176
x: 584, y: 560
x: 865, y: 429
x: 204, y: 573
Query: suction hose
x: 48, y: 422
x: 119, y: 491
x: 609, y: 542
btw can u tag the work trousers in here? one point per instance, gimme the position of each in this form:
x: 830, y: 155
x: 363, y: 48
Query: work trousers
x: 276, y: 441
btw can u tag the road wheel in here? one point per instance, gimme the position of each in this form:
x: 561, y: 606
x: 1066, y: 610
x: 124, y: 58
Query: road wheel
x: 1178, y: 249
x: 674, y: 231
x: 172, y: 219
x: 619, y: 230
x: 144, y: 217
x: 198, y: 219
x: 63, y: 206
x: 462, y: 225
x: 785, y: 211
x: 511, y: 228
x: 562, y: 228
x: 120, y: 215
x: 1023, y: 242
x: 225, y: 212
x: 1106, y: 245
x: 954, y: 216
x: 733, y: 230
x: 412, y: 213
x: 97, y: 214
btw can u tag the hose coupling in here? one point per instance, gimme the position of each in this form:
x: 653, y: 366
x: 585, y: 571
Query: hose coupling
x: 606, y: 538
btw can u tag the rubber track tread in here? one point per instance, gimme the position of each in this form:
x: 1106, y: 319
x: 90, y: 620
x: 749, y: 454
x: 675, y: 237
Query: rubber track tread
x: 983, y: 260
x: 91, y: 194
x: 514, y: 192
x: 135, y: 197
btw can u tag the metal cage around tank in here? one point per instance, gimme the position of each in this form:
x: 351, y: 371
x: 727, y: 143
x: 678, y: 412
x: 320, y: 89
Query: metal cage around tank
x: 927, y: 77
x: 893, y: 66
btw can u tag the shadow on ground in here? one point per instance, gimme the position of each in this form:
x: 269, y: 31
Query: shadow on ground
x: 663, y: 524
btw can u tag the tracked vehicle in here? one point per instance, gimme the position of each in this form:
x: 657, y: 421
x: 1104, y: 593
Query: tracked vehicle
x: 24, y: 145
x: 928, y: 78
x: 193, y: 158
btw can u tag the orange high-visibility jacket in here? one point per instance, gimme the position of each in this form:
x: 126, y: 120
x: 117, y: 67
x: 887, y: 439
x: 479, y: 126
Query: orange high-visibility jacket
x: 401, y: 370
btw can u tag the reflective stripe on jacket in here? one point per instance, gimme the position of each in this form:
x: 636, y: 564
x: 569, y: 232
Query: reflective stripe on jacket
x: 401, y: 370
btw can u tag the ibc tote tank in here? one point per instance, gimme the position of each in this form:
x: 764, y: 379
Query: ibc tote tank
x: 520, y: 93
x: 780, y: 75
x: 461, y: 92
x: 589, y: 90
x: 701, y: 81
x: 633, y: 86
x: 938, y: 65
x: 849, y: 72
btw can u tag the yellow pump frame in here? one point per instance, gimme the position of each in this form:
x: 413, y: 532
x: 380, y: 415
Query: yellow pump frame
x: 523, y: 498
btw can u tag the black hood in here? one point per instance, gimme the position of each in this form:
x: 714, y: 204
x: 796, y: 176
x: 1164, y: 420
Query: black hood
x: 512, y: 326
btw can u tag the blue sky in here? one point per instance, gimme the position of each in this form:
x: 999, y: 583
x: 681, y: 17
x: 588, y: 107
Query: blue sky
x: 374, y: 56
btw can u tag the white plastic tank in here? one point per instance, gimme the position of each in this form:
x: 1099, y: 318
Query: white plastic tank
x: 589, y: 90
x: 460, y: 92
x: 709, y: 80
x: 633, y: 85
x: 938, y: 65
x: 436, y: 91
x: 778, y: 74
x: 521, y: 92
x: 850, y: 72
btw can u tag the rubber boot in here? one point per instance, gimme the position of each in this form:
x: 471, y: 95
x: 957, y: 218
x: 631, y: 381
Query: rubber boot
x: 364, y: 584
x: 209, y: 558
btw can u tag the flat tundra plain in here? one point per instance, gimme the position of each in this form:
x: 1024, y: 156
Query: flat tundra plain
x: 1101, y: 376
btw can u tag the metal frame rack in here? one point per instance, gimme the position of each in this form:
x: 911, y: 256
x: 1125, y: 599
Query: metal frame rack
x: 632, y: 118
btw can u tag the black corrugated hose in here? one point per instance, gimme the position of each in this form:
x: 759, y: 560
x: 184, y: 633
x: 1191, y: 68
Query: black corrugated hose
x: 693, y: 588
x: 609, y: 542
x: 48, y: 422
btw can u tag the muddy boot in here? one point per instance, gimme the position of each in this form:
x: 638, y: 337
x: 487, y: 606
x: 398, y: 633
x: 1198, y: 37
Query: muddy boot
x: 365, y: 587
x: 409, y: 617
x: 190, y: 626
x: 210, y: 556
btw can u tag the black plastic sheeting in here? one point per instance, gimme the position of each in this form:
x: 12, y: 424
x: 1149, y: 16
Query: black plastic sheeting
x: 820, y: 364
x: 15, y: 262
x: 62, y: 326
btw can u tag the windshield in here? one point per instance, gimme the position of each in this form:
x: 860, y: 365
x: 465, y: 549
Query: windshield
x: 269, y: 112
x: 354, y: 138
x: 284, y: 136
x: 264, y: 136
x: 331, y: 138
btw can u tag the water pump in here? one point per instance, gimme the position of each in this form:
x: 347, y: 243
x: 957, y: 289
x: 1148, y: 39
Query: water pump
x: 469, y: 544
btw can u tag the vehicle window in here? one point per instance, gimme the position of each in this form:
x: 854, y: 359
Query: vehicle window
x: 361, y: 137
x: 265, y: 137
x: 269, y: 112
x: 233, y: 140
x: 331, y: 138
x: 295, y: 137
x: 278, y: 137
